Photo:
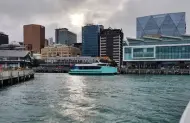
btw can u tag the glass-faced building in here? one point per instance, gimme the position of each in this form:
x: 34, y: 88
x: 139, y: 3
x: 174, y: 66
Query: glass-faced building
x: 165, y: 50
x: 91, y: 40
x: 64, y: 36
x: 171, y: 24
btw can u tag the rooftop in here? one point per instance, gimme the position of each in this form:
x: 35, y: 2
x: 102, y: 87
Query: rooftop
x: 13, y: 53
x: 160, y: 15
x: 160, y: 39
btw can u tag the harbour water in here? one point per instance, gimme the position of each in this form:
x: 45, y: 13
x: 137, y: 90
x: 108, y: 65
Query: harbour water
x: 62, y: 98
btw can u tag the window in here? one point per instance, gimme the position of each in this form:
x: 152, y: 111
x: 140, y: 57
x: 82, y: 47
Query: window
x: 89, y: 67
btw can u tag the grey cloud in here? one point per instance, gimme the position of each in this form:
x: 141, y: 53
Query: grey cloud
x: 126, y: 18
x: 55, y: 13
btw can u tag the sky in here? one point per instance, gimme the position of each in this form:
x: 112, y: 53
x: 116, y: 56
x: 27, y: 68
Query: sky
x: 73, y: 14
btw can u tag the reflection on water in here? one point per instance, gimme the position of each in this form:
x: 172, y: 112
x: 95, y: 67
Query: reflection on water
x: 61, y: 98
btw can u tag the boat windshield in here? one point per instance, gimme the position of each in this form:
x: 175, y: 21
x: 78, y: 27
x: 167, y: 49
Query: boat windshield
x: 102, y: 64
x: 89, y: 67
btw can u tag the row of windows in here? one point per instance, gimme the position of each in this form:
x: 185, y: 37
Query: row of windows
x: 173, y: 49
x: 165, y: 52
x: 141, y: 55
x: 163, y: 49
x: 173, y: 56
x: 137, y: 50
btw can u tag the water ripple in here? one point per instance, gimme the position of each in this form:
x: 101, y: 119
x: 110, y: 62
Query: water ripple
x: 61, y: 98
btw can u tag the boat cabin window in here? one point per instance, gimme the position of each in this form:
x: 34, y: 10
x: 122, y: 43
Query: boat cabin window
x: 102, y: 65
x: 88, y: 67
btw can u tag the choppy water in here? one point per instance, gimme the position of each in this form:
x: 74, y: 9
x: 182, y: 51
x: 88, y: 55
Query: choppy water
x: 61, y: 98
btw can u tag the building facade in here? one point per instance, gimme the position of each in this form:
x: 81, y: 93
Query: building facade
x: 50, y: 41
x: 14, y: 59
x: 78, y: 45
x: 34, y: 36
x: 91, y: 40
x: 171, y: 24
x: 12, y: 47
x: 4, y: 39
x: 60, y: 51
x: 70, y: 60
x: 46, y: 43
x: 64, y: 36
x: 158, y: 52
x: 111, y: 44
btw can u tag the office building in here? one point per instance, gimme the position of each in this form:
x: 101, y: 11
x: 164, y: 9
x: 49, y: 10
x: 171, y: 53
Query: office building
x: 91, y: 40
x: 50, y: 41
x: 4, y: 39
x: 60, y: 51
x: 111, y: 44
x: 171, y: 24
x: 46, y: 43
x: 34, y: 37
x: 65, y: 37
x: 151, y: 52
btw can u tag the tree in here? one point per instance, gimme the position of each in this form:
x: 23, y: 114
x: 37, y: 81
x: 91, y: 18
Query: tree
x: 35, y: 63
x: 113, y: 63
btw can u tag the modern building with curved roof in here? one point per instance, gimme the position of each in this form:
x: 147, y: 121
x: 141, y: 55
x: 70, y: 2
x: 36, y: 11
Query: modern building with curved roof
x: 170, y: 24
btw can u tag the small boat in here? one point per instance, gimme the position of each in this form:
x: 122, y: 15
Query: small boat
x: 186, y: 115
x: 93, y: 69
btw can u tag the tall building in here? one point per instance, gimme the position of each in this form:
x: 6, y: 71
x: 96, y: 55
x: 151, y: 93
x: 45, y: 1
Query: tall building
x: 4, y: 39
x: 111, y: 44
x: 91, y: 40
x: 50, y: 41
x: 34, y: 35
x: 64, y: 36
x: 171, y: 24
x: 46, y: 43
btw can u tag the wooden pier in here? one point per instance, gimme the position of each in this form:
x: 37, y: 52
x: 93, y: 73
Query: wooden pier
x: 8, y: 78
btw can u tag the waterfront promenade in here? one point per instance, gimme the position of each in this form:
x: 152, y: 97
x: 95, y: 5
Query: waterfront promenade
x: 15, y: 76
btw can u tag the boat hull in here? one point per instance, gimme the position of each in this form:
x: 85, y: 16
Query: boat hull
x: 104, y: 70
x: 98, y: 74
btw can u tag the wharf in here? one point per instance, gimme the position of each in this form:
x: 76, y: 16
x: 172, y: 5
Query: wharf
x: 65, y: 69
x: 156, y: 71
x: 8, y: 78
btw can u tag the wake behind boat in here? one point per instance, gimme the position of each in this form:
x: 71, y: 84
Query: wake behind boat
x: 93, y: 69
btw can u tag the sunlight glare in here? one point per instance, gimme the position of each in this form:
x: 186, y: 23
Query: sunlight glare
x: 77, y: 19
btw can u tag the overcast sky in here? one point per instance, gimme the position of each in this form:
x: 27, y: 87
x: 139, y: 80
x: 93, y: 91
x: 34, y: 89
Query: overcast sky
x: 73, y: 14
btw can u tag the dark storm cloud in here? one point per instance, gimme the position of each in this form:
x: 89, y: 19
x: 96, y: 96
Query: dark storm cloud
x: 55, y: 13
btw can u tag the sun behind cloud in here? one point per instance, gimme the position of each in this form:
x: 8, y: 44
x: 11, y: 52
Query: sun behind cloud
x: 77, y: 19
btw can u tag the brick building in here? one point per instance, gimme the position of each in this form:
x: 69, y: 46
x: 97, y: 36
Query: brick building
x: 34, y: 36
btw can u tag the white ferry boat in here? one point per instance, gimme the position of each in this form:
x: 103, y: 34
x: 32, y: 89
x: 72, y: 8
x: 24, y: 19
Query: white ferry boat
x: 93, y: 69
